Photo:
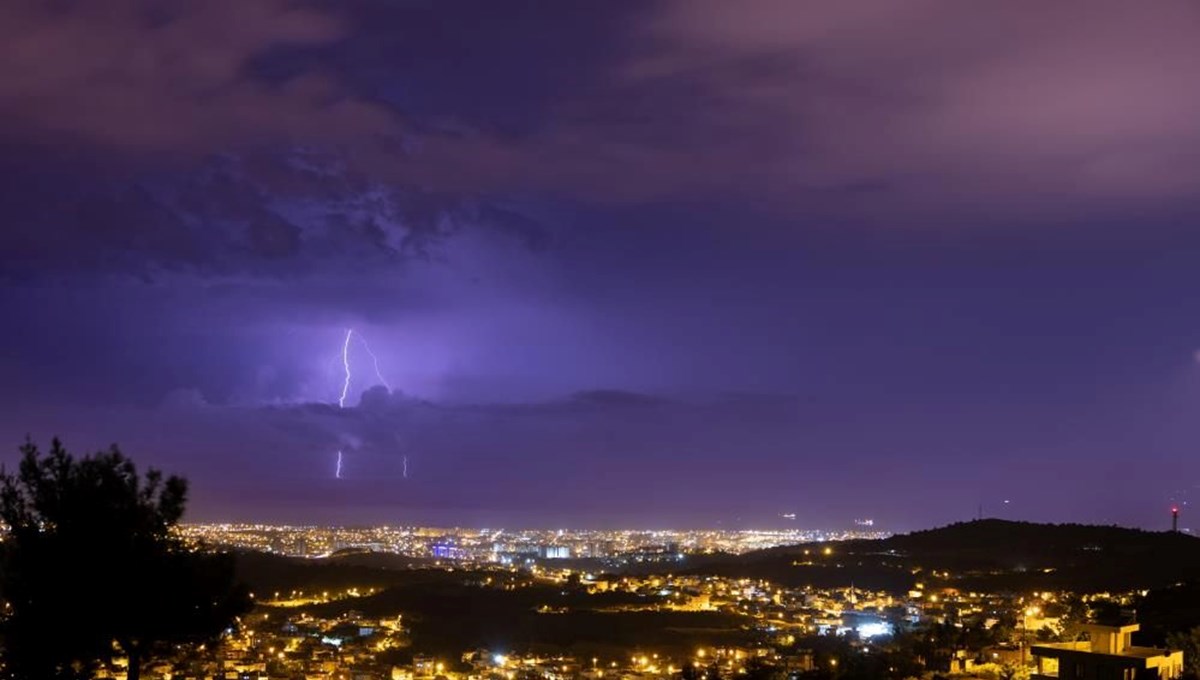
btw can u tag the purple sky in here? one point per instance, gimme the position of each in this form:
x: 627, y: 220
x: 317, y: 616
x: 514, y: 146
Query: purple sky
x: 690, y: 263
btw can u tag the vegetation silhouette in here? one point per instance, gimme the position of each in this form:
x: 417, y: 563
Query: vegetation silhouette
x: 1189, y: 642
x: 90, y: 568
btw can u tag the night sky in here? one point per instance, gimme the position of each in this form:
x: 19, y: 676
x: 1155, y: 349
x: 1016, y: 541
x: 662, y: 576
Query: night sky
x: 649, y: 264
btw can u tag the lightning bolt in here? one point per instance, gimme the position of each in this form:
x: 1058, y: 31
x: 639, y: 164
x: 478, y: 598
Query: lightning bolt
x: 347, y: 373
x: 346, y: 368
x: 406, y: 467
x: 337, y: 470
x: 375, y: 361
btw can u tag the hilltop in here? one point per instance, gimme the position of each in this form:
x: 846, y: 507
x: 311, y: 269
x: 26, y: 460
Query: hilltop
x: 990, y: 554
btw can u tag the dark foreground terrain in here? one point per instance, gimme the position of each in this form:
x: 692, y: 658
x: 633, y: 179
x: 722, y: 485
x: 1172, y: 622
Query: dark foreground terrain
x: 448, y: 611
x: 987, y: 555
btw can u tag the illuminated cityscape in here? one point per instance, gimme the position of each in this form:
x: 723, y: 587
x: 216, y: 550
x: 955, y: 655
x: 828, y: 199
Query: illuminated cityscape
x: 504, y: 547
x: 751, y: 626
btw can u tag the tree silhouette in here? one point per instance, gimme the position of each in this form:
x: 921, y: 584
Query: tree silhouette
x: 91, y: 567
x: 1189, y: 642
x: 1107, y: 613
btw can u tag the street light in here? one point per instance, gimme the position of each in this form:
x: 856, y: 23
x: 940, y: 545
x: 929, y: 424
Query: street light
x: 1029, y: 611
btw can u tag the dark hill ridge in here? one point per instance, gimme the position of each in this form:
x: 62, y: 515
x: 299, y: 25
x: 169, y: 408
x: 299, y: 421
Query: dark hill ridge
x: 989, y: 554
x: 1002, y: 544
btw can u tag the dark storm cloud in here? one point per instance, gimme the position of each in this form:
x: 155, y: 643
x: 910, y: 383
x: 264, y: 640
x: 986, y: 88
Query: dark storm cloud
x: 935, y: 109
x: 957, y: 238
x: 229, y: 136
x: 145, y: 138
x: 283, y: 215
x: 152, y: 76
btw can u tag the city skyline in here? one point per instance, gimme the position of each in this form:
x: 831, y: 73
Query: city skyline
x: 610, y: 264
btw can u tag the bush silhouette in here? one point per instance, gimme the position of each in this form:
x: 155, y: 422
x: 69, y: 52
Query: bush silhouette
x: 92, y: 569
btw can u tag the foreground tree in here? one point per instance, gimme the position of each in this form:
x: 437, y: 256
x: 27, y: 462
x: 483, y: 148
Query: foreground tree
x: 91, y: 567
x: 1189, y: 642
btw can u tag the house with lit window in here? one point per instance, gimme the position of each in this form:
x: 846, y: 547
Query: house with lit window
x: 1107, y: 654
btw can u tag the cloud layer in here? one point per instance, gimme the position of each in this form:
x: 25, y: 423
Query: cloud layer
x: 941, y: 245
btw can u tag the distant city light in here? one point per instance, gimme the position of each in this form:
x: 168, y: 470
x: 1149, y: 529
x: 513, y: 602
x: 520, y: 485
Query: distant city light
x: 875, y: 629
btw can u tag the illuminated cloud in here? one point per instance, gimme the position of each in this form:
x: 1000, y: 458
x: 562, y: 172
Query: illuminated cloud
x: 957, y: 237
x: 143, y: 76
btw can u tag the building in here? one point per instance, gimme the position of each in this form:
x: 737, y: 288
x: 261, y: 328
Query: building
x: 1107, y: 654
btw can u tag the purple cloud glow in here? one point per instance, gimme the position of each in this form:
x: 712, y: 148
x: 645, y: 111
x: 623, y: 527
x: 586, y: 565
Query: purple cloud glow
x: 669, y: 263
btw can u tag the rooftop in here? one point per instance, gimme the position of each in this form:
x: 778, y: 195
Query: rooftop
x: 1086, y: 646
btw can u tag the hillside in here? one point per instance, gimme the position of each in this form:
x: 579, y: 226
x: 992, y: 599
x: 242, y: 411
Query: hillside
x: 987, y: 554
